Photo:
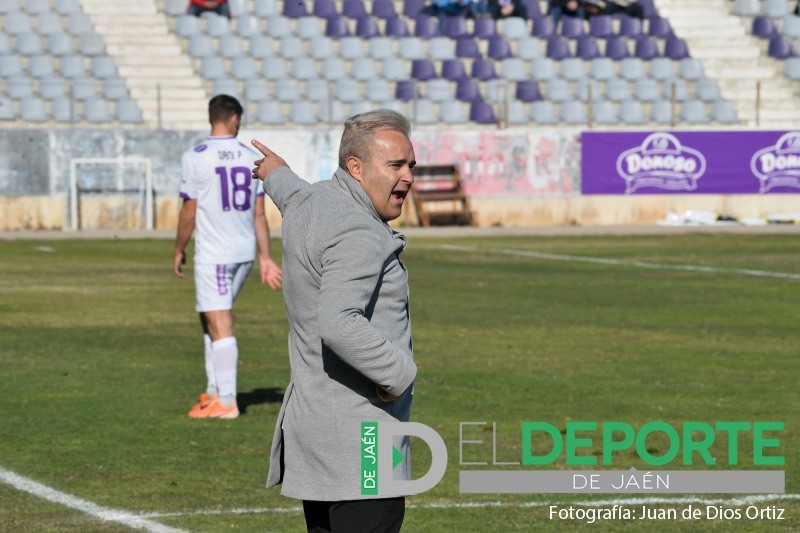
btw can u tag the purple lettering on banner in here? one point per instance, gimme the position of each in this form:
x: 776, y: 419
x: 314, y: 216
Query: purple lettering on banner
x: 690, y: 162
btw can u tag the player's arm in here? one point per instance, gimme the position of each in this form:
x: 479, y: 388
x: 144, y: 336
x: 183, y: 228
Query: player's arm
x: 185, y: 230
x: 270, y: 271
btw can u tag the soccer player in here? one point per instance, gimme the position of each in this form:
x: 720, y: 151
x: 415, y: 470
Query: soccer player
x: 226, y: 207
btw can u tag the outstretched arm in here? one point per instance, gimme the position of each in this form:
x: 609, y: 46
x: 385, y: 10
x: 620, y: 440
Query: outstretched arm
x: 185, y: 230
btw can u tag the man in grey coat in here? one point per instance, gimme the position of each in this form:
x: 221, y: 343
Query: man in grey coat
x: 350, y: 349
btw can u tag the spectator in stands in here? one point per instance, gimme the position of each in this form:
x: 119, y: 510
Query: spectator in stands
x: 632, y: 8
x: 198, y: 7
x: 446, y: 8
x: 569, y: 8
x: 507, y: 8
x: 797, y: 9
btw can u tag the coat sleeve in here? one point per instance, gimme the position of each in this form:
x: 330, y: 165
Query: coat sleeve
x: 352, y: 265
x: 281, y: 184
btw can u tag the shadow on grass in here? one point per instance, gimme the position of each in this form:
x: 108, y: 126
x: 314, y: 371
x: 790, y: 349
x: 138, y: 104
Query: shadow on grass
x: 258, y: 397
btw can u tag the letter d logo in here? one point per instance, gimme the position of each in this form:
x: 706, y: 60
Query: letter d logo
x: 397, y: 487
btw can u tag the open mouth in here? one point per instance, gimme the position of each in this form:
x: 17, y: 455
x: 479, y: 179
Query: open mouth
x: 399, y: 195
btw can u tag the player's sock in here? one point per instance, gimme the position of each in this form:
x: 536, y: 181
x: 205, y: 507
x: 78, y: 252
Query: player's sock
x: 211, y: 389
x: 226, y: 358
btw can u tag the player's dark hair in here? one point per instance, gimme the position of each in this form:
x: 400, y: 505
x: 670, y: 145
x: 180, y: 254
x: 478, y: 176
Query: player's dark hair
x: 222, y: 107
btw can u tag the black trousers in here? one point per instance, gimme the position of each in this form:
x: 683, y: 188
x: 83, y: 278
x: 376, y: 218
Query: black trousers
x: 355, y: 516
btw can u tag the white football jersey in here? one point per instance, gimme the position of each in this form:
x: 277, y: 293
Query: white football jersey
x: 217, y: 173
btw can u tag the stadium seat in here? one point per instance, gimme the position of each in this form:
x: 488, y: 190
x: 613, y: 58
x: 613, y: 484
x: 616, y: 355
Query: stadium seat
x: 347, y: 90
x: 693, y: 112
x: 498, y: 48
x: 79, y: 22
x: 51, y: 87
x: 266, y: 9
x: 747, y: 8
x: 83, y: 89
x: 646, y: 48
x: 59, y: 44
x: 302, y: 112
x: 295, y: 9
x: 659, y: 27
x: 455, y: 27
x: 405, y: 90
x: 675, y: 48
x: 383, y: 9
x: 543, y: 112
x: 324, y: 9
x: 528, y: 91
x: 618, y: 90
x: 115, y: 89
x: 482, y: 113
x: 572, y: 27
x: 212, y: 68
x: 423, y: 70
x: 354, y: 9
x: 225, y: 86
x: 630, y: 27
x: 764, y: 27
x: 412, y: 8
x: 484, y: 28
x: 662, y: 68
x: 200, y: 46
x: 244, y: 68
x: 573, y: 112
x: 602, y: 69
x: 187, y: 25
x: 558, y: 90
x: 237, y: 7
x: 542, y: 68
x: 96, y: 110
x: 708, y: 90
x: 631, y: 112
x: 587, y: 48
x: 483, y: 69
x: 290, y: 47
x: 307, y: 27
x: 395, y: 68
x: 269, y: 112
x: 453, y: 70
x: 517, y: 113
x: 317, y: 90
x: 363, y: 69
x: 648, y: 8
x: 791, y: 68
x: 40, y: 66
x: 780, y: 47
x: 383, y: 48
x: 278, y: 27
x: 572, y: 69
x: 367, y: 27
x: 676, y: 89
x: 304, y: 68
x: 426, y: 27
x: 467, y: 90
x: 351, y: 48
x: 601, y: 26
x: 286, y: 90
x: 331, y: 112
x: 230, y: 46
x: 173, y: 8
x: 424, y: 112
x: 467, y: 47
x: 528, y: 47
x: 19, y: 87
x: 588, y: 89
x: 513, y: 69
x: 321, y: 47
x: 557, y: 48
x: 604, y: 112
x: 647, y: 90
x: 260, y: 46
x: 441, y: 48
x: 724, y: 111
x: 378, y: 90
x: 63, y: 110
x: 661, y: 111
x: 247, y: 26
x: 776, y: 8
x: 543, y: 27
x: 91, y: 44
x: 34, y: 7
x: 273, y: 68
x: 411, y: 48
x: 791, y: 26
x: 72, y: 66
x: 617, y: 48
x: 103, y: 67
x: 28, y: 43
x: 7, y: 109
x: 5, y: 45
x: 48, y: 22
x: 513, y: 28
x: 437, y: 90
x: 67, y: 7
x: 397, y: 28
x: 452, y: 112
x: 10, y: 65
x: 333, y: 68
x: 691, y: 69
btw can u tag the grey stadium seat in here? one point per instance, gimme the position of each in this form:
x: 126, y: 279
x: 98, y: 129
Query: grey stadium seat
x: 572, y: 69
x: 602, y: 68
x: 17, y: 22
x: 290, y: 47
x: 378, y: 90
x: 273, y: 68
x: 724, y: 111
x: 694, y: 112
x: 48, y: 22
x: 513, y: 28
x: 679, y: 87
x: 363, y: 69
x: 411, y: 48
x: 29, y: 43
x: 542, y: 68
x: 40, y: 66
x: 247, y: 26
x: 286, y: 90
x: 558, y: 90
x: 438, y: 90
x: 67, y: 7
x: 441, y: 48
x: 187, y: 25
x: 256, y: 90
x: 269, y: 112
x: 587, y: 89
x: 381, y: 48
x: 7, y: 109
x: 661, y: 68
x: 573, y: 112
x: 517, y: 113
x: 632, y: 112
x: 307, y: 27
x: 19, y: 87
x: 83, y: 89
x: 513, y: 68
x: 72, y: 66
x: 230, y: 46
x: 351, y: 47
x: 59, y: 44
x: 333, y: 68
x: 51, y: 87
x: 708, y: 90
x: 62, y: 110
x: 212, y: 68
x: 691, y: 69
x: 217, y: 25
x: 260, y: 46
x: 244, y: 68
x: 618, y: 90
x: 394, y: 69
x: 318, y: 90
x: 631, y: 68
x: 114, y: 88
x: 278, y: 26
x: 200, y: 46
x: 36, y: 6
x: 302, y: 112
x: 647, y: 90
x: 321, y: 47
x: 91, y: 44
x: 528, y: 47
x: 266, y: 8
x: 331, y: 111
x: 791, y: 68
x: 604, y: 112
x: 96, y: 110
x: 78, y: 23
x: 661, y: 111
x: 225, y: 86
x: 304, y: 68
x: 103, y: 67
x: 543, y: 112
x: 10, y: 65
x: 347, y: 90
x: 453, y: 112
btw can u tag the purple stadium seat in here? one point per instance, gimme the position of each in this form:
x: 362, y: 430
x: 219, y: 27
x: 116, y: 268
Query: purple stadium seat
x: 467, y: 90
x: 336, y: 27
x: 676, y: 48
x: 367, y: 27
x: 423, y: 70
x: 397, y: 27
x: 528, y: 91
x: 763, y: 27
x: 780, y: 47
x: 543, y: 27
x: 412, y: 8
x: 558, y: 48
x: 499, y: 48
x: 646, y: 48
x: 659, y: 27
x: 324, y: 8
x: 354, y: 9
x: 533, y: 8
x: 630, y: 27
x: 587, y: 48
x: 453, y: 70
x: 649, y: 8
x: 467, y: 47
x: 294, y: 9
x: 601, y: 26
x: 404, y: 90
x: 383, y: 9
x: 484, y: 28
x: 426, y: 27
x: 572, y: 27
x: 617, y: 48
x: 455, y: 27
x: 482, y: 113
x: 483, y: 69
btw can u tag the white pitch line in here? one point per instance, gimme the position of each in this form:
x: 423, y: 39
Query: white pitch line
x: 107, y: 514
x: 736, y: 502
x: 622, y: 262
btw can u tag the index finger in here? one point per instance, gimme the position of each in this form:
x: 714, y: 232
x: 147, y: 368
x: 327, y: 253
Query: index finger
x: 261, y: 148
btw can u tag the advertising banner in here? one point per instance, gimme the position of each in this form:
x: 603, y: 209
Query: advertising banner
x: 696, y: 162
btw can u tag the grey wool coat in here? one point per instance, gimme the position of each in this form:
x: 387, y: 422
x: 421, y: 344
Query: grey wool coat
x: 346, y: 294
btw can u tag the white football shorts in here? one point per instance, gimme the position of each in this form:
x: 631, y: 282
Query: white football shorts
x: 218, y: 285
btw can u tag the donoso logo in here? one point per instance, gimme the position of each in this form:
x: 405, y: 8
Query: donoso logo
x: 661, y: 162
x: 779, y: 165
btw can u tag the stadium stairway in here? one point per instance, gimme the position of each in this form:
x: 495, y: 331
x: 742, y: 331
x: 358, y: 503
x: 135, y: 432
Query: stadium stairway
x: 735, y: 58
x: 149, y: 55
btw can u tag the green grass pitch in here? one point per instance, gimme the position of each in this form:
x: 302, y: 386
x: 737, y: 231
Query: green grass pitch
x: 101, y: 359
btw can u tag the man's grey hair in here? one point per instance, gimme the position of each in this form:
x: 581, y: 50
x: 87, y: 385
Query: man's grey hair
x: 360, y: 129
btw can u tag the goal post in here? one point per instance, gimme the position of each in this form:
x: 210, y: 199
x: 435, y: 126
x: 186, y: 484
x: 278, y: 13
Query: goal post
x: 120, y: 164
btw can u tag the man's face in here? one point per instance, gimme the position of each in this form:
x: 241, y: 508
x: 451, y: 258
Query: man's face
x: 386, y: 177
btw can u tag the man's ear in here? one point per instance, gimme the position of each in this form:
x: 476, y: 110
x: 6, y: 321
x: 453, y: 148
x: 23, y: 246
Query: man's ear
x: 355, y: 167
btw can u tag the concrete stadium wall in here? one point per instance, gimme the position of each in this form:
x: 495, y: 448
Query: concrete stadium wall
x: 515, y: 178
